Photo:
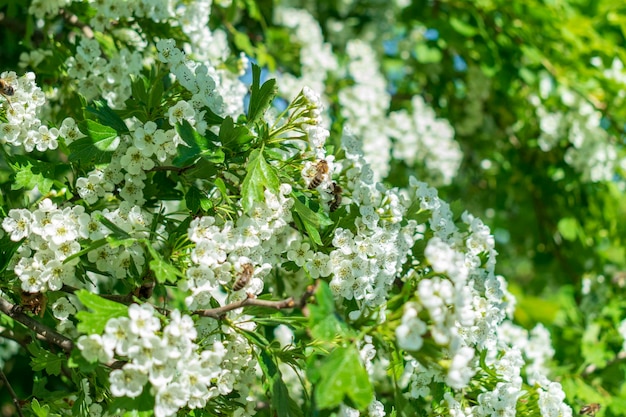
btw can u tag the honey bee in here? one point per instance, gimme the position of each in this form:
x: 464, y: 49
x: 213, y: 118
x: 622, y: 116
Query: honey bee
x: 33, y: 302
x: 6, y: 90
x: 244, y: 277
x: 336, y: 191
x: 590, y: 409
x: 321, y: 169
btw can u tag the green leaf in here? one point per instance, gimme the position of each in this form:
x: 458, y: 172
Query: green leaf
x: 569, y: 228
x: 143, y: 405
x: 107, y: 116
x: 26, y: 178
x: 102, y: 311
x: 312, y: 220
x: 38, y: 409
x: 462, y: 28
x: 97, y: 147
x: 278, y: 389
x: 42, y: 359
x: 163, y: 271
x: 7, y: 250
x: 343, y: 376
x: 234, y: 138
x: 427, y: 55
x: 118, y: 232
x: 260, y: 98
x: 260, y: 176
x: 197, y: 146
x: 196, y: 200
x: 324, y: 322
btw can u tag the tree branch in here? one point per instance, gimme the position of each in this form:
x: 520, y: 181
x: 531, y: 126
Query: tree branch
x: 16, y: 400
x: 219, y: 312
x: 73, y: 20
x: 47, y: 333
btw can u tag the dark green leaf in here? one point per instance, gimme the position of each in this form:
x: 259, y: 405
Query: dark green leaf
x: 117, y: 231
x: 97, y: 147
x: 107, y: 116
x: 260, y: 98
x: 42, y: 359
x: 234, y: 138
x: 310, y: 214
x: 196, y: 200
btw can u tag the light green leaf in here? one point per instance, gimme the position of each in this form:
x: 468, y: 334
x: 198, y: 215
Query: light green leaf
x: 102, y: 311
x: 324, y: 322
x: 343, y: 376
x: 568, y: 228
x: 260, y: 176
x: 463, y: 28
x: 163, y: 271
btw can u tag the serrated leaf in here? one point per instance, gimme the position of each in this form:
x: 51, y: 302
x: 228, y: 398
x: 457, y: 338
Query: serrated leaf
x: 343, y: 376
x: 260, y: 97
x: 324, y: 322
x: 97, y: 147
x: 44, y: 360
x: 107, y: 116
x: 163, y: 271
x: 312, y: 220
x: 197, y: 146
x: 260, y: 176
x: 38, y: 409
x: 232, y: 137
x: 26, y: 178
x: 102, y: 311
x: 196, y: 200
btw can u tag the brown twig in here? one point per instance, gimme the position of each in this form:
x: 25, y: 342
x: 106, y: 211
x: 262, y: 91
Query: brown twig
x: 16, y: 400
x: 73, y: 20
x: 219, y: 312
x: 47, y: 333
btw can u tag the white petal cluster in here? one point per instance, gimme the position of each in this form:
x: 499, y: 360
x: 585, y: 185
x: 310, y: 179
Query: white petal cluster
x: 179, y: 372
x: 53, y: 234
x: 107, y: 77
x: 222, y: 251
x: 23, y: 127
x: 575, y: 121
x: 420, y: 136
x: 316, y: 56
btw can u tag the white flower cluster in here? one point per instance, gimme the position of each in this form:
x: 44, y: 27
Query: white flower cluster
x: 23, y: 126
x: 245, y: 249
x: 179, y: 372
x: 52, y: 234
x: 365, y: 263
x: 316, y: 56
x: 107, y: 12
x: 422, y: 137
x: 365, y: 103
x: 592, y: 152
x: 218, y: 90
x: 97, y: 76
